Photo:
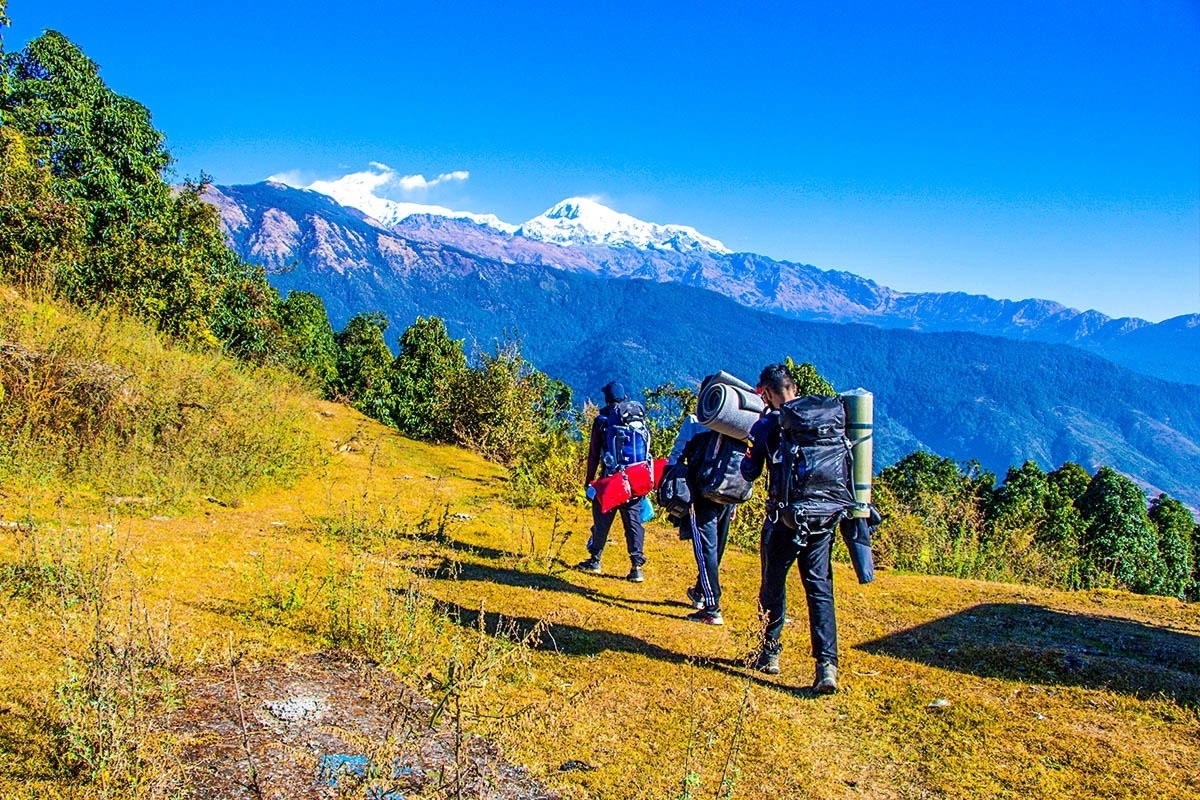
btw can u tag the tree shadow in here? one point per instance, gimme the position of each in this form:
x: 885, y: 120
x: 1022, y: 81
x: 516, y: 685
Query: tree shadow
x: 1038, y: 645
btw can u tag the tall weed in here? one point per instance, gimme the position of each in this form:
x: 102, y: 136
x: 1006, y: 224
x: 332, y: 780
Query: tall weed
x: 103, y: 403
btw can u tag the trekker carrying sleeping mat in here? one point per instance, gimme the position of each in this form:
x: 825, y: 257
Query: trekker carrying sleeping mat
x: 708, y: 463
x: 803, y: 442
x: 619, y: 438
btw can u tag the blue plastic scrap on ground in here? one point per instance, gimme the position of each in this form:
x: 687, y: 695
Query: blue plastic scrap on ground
x: 332, y: 767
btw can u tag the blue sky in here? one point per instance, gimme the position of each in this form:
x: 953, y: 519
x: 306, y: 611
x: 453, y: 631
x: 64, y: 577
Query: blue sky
x: 1020, y: 149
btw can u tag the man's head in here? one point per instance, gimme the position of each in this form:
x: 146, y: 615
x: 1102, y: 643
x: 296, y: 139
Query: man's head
x: 613, y: 393
x: 776, y: 385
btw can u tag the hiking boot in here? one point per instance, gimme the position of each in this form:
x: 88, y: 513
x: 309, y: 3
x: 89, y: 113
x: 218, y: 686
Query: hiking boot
x: 767, y: 662
x: 706, y: 616
x: 695, y: 597
x: 825, y: 681
x: 591, y: 565
x: 635, y: 575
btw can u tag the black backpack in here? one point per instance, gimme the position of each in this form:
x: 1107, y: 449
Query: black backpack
x: 811, y: 469
x: 718, y: 474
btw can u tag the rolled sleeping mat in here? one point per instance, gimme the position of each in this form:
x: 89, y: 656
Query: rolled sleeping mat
x: 860, y: 420
x: 729, y: 409
x: 729, y: 380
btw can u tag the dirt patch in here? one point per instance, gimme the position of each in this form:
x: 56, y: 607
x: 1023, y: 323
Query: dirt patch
x: 329, y: 725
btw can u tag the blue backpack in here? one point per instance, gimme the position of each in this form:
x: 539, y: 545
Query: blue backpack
x: 626, y: 437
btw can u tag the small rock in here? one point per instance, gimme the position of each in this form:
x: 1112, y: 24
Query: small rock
x: 941, y: 702
x: 279, y: 524
x: 160, y: 518
x: 576, y: 766
x: 1038, y: 716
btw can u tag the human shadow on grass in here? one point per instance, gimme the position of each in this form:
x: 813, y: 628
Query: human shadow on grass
x: 572, y: 640
x: 555, y: 583
x: 1034, y: 644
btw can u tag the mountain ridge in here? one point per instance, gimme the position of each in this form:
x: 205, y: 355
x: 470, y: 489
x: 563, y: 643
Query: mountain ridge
x: 960, y: 394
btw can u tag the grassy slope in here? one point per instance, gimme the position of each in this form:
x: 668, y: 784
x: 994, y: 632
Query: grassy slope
x: 1051, y: 694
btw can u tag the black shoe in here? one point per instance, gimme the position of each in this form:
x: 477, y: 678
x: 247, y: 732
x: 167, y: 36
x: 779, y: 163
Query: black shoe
x: 695, y: 597
x: 707, y: 616
x: 825, y: 681
x: 591, y: 565
x: 766, y: 662
x: 635, y: 575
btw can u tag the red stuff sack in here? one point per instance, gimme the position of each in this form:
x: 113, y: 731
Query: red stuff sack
x: 612, y: 491
x: 641, y: 479
x: 660, y: 466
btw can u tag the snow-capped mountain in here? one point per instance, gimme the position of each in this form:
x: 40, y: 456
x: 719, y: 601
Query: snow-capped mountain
x: 582, y: 221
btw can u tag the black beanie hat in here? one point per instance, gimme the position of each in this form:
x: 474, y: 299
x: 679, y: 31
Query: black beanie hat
x: 613, y: 392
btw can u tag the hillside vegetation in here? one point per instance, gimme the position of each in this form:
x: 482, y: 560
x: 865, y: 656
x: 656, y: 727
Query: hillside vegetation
x: 409, y: 555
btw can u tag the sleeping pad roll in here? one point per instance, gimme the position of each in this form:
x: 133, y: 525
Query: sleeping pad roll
x: 729, y: 408
x: 860, y: 418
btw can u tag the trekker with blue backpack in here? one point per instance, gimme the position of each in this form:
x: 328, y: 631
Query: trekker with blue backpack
x: 619, y: 438
x: 802, y: 440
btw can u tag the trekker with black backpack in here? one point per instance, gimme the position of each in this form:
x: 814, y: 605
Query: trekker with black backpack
x: 803, y: 441
x: 619, y: 438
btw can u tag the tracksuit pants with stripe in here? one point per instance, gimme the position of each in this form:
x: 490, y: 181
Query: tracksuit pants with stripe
x: 710, y: 531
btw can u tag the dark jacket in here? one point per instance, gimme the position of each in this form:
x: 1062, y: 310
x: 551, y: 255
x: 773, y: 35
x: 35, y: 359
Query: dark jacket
x: 764, y: 440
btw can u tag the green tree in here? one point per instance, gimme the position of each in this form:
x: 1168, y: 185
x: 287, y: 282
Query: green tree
x: 1175, y: 526
x: 499, y: 408
x: 311, y: 343
x: 156, y: 251
x: 1020, y: 503
x: 426, y: 373
x: 1120, y: 545
x: 935, y: 513
x: 40, y: 234
x: 364, y: 367
x: 808, y: 380
x: 1071, y: 480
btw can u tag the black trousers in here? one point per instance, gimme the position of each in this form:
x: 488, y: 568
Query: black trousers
x: 779, y: 550
x: 631, y: 520
x: 709, y: 526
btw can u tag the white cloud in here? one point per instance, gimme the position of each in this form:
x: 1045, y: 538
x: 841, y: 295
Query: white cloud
x: 368, y: 190
x: 290, y: 178
x: 412, y: 183
x: 376, y: 181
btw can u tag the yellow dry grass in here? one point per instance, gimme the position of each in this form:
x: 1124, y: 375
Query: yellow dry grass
x: 409, y: 554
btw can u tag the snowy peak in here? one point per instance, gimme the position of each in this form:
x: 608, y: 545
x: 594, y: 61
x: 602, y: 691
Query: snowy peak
x: 582, y: 221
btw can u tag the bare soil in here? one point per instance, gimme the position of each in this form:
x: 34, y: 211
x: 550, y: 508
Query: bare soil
x: 328, y: 725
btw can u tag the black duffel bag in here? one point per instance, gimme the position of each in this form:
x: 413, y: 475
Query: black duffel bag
x: 674, y: 494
